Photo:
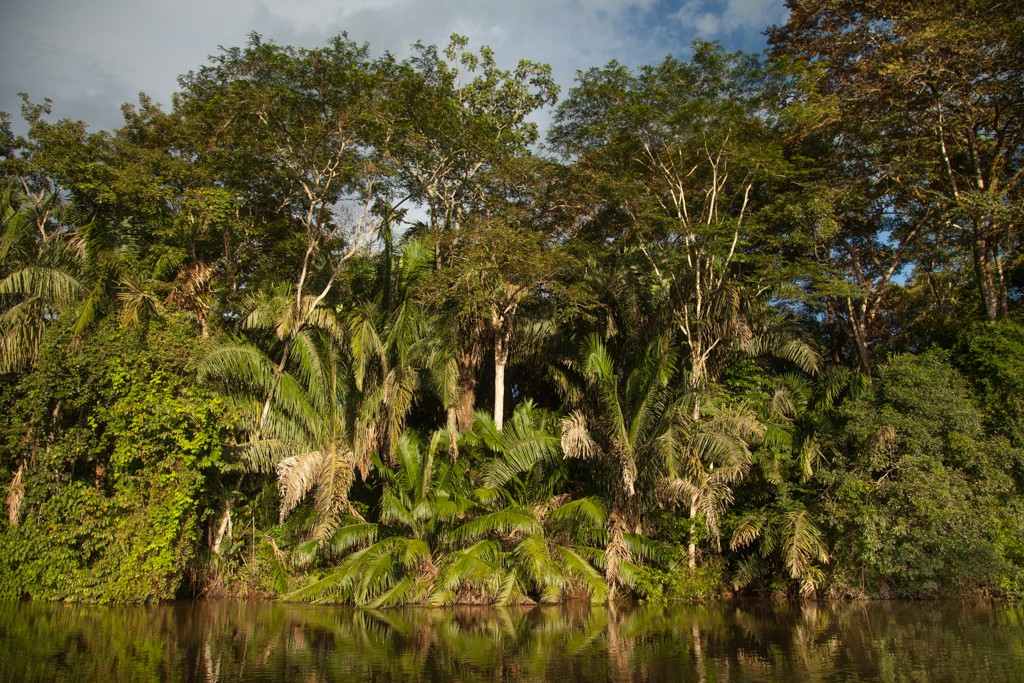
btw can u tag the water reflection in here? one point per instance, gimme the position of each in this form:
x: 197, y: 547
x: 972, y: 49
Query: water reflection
x: 208, y: 641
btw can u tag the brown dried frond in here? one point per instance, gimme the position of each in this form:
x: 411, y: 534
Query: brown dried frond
x: 190, y: 281
x: 576, y: 440
x: 885, y: 440
x: 15, y: 495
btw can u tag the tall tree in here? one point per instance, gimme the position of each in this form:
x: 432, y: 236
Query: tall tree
x: 692, y: 144
x: 40, y: 274
x: 307, y: 121
x: 929, y: 97
x: 397, y: 353
x: 505, y: 265
x: 458, y: 119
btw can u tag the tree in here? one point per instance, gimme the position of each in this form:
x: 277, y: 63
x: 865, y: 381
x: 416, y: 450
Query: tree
x: 40, y: 275
x: 395, y: 560
x: 121, y: 451
x: 297, y: 416
x: 693, y: 144
x: 779, y: 499
x: 459, y: 119
x: 622, y: 421
x: 932, y: 96
x: 526, y: 541
x: 505, y: 267
x: 307, y: 120
x: 396, y: 353
x: 791, y: 533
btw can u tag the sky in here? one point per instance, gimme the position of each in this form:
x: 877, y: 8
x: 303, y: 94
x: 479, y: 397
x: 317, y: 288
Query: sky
x: 91, y: 56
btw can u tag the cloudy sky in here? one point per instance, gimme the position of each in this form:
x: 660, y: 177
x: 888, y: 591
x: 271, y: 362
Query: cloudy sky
x: 90, y: 56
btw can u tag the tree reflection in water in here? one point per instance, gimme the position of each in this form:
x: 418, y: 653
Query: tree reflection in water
x: 746, y: 641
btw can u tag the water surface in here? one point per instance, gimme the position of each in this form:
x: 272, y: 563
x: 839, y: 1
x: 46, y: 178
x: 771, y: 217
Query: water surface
x: 734, y: 641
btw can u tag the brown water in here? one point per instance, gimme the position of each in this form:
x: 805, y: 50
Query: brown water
x: 247, y: 641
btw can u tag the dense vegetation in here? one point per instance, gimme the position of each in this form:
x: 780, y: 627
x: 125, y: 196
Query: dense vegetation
x: 341, y: 327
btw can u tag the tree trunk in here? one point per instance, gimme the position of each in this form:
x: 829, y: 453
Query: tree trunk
x: 860, y: 340
x: 452, y: 424
x: 692, y: 548
x: 224, y: 529
x: 987, y: 290
x: 467, y: 394
x: 501, y: 341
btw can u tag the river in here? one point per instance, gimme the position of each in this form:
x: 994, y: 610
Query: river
x: 727, y: 641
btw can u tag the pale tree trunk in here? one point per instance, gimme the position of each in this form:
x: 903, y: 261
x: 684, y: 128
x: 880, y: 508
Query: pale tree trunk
x: 224, y: 529
x: 500, y: 360
x: 697, y: 380
x: 502, y: 339
x: 691, y: 549
x: 988, y: 287
x: 453, y: 431
x: 859, y: 325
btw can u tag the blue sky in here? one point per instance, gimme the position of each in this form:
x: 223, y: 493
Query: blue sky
x: 90, y: 56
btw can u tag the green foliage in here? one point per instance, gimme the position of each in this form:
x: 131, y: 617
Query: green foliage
x: 668, y: 578
x: 919, y: 497
x: 657, y: 586
x: 992, y: 356
x: 710, y: 224
x: 116, y: 470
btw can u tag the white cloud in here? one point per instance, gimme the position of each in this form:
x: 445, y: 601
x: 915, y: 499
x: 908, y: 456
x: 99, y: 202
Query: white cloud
x: 717, y: 20
x: 92, y: 56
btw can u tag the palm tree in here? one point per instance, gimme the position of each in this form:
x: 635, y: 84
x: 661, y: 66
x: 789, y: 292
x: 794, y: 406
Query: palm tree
x: 790, y: 534
x: 713, y: 455
x: 437, y: 542
x: 396, y: 559
x: 621, y: 420
x: 782, y: 529
x: 297, y: 417
x: 40, y: 275
x: 395, y: 351
x: 526, y: 539
x: 626, y: 424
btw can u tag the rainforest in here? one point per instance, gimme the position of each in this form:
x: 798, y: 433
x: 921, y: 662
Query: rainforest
x: 340, y: 327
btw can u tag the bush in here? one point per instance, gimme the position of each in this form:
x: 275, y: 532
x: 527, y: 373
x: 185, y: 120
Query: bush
x: 918, y: 494
x: 117, y: 464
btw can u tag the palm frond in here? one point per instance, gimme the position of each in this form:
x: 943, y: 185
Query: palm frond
x: 802, y: 543
x: 334, y: 480
x: 54, y: 285
x: 746, y: 532
x: 521, y: 445
x: 263, y: 455
x: 747, y: 571
x: 351, y: 534
x: 583, y: 573
x: 643, y: 547
x: 397, y: 594
x: 507, y: 521
x: 576, y: 441
x: 582, y: 511
x: 364, y: 344
x: 297, y: 474
x: 533, y: 556
x: 810, y: 455
x: 472, y: 565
